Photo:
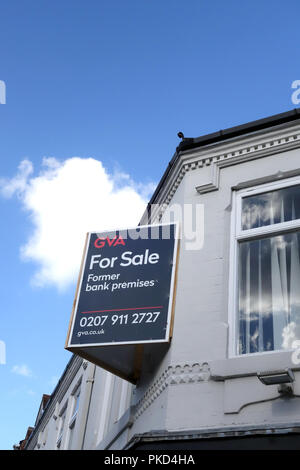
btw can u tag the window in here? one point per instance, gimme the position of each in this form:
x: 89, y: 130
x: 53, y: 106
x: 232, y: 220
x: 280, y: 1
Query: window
x: 267, y: 262
x: 72, y: 422
x: 75, y: 405
x: 61, y: 427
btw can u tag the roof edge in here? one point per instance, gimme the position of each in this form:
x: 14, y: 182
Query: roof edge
x: 236, y: 131
x: 221, y: 136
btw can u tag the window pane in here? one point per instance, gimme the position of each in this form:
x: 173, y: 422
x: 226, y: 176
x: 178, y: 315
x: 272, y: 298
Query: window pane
x: 76, y: 405
x: 61, y: 428
x: 271, y: 208
x: 269, y: 293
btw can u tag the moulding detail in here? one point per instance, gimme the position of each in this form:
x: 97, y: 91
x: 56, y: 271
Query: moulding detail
x: 192, y: 161
x: 265, y: 149
x: 174, y: 375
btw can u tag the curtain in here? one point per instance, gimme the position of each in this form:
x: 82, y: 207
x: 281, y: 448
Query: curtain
x: 269, y: 286
x: 269, y: 274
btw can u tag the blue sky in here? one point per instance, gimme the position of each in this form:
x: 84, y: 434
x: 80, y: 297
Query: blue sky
x: 96, y: 93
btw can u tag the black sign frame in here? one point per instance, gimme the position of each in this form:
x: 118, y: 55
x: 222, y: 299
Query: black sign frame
x: 98, y: 351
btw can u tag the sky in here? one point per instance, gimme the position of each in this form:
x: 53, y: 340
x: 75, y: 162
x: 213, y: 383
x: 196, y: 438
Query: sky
x: 96, y: 91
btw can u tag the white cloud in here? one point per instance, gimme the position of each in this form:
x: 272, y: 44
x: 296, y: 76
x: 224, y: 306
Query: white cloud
x: 66, y: 200
x: 290, y: 333
x: 22, y: 370
x: 18, y: 183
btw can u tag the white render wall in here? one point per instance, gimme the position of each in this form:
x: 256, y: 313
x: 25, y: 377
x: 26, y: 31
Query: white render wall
x: 197, y: 386
x: 193, y: 384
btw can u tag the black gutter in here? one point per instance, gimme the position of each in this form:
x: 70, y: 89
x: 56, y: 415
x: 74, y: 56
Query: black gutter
x: 223, y: 135
x: 242, y: 129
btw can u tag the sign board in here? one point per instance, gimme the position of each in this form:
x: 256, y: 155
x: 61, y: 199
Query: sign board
x: 124, y: 295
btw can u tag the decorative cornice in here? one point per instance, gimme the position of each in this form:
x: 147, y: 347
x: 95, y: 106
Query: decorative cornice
x: 246, y: 154
x: 265, y: 429
x: 174, y: 375
x: 233, y: 153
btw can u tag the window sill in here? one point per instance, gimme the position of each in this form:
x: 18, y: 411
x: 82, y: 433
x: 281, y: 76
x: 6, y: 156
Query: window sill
x: 249, y: 365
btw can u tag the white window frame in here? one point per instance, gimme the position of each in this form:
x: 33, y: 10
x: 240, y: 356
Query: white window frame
x: 62, y: 423
x: 75, y: 396
x: 238, y: 235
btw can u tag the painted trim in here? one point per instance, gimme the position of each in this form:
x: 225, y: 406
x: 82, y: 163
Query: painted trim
x: 237, y: 235
x: 264, y: 143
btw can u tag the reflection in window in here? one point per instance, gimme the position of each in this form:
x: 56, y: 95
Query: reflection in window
x: 76, y: 403
x: 269, y: 292
x: 273, y: 207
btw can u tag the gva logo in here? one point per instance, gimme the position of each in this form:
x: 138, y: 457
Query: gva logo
x: 2, y: 92
x: 101, y: 242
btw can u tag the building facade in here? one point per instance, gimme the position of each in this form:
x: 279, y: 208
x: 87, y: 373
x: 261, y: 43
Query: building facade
x: 237, y: 313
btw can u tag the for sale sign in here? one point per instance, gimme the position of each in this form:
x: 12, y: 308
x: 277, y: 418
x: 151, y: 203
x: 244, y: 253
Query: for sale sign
x: 125, y: 289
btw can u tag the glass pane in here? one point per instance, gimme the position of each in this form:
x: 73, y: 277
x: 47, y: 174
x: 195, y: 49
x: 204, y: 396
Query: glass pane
x: 269, y: 293
x: 271, y: 208
x: 76, y: 406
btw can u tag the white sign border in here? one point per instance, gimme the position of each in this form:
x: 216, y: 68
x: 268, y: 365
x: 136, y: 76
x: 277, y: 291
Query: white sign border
x: 171, y: 297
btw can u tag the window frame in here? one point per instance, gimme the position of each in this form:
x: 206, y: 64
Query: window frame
x: 75, y: 398
x: 62, y: 422
x: 238, y: 235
